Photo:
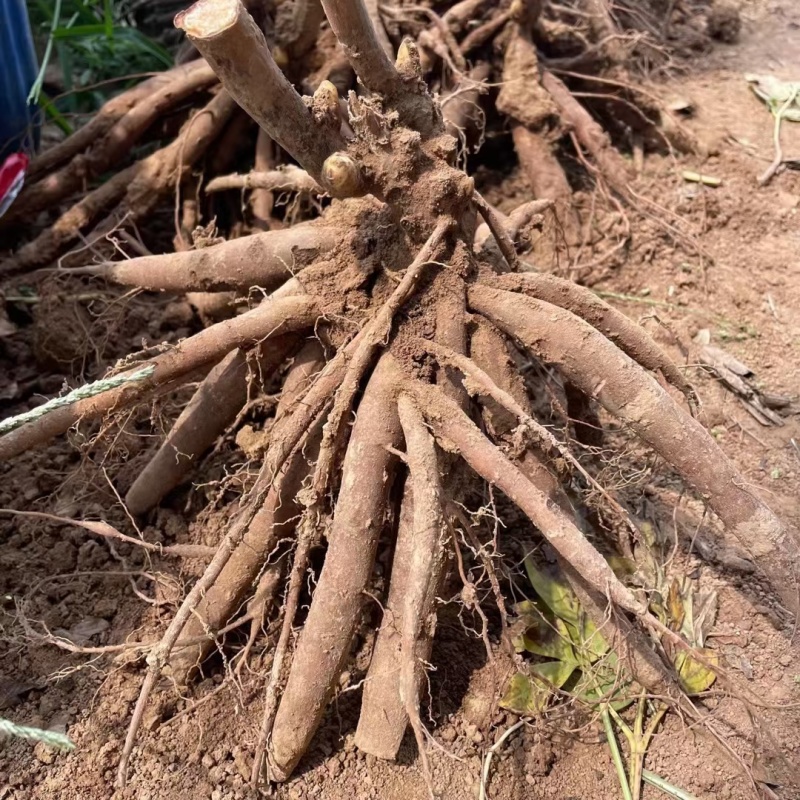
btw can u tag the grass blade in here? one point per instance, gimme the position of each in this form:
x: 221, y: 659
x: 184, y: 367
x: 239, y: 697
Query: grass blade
x: 667, y: 788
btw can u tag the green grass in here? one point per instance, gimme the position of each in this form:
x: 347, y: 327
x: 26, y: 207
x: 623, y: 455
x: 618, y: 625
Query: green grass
x: 92, y: 43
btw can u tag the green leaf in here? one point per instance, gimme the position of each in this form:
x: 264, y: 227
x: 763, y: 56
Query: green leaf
x: 78, y: 31
x: 553, y: 674
x: 589, y: 644
x: 33, y: 95
x: 147, y: 45
x: 108, y: 18
x: 694, y: 676
x: 771, y: 89
x: 555, y: 593
x: 58, y: 118
x: 548, y: 639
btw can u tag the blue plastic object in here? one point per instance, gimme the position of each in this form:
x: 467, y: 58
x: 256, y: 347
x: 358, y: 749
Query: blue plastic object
x: 18, y: 70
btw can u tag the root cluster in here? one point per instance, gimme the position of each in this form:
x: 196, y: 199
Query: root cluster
x: 394, y: 325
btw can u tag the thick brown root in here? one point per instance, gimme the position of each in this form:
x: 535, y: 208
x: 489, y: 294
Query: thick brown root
x: 396, y: 667
x: 291, y: 427
x: 213, y: 407
x: 270, y: 319
x: 369, y: 340
x: 49, y: 244
x: 393, y: 146
x: 496, y: 224
x: 461, y: 109
x: 262, y: 201
x: 533, y: 112
x: 453, y: 428
x: 546, y: 177
x: 275, y: 520
x: 418, y: 618
x: 358, y: 519
x: 213, y: 307
x: 115, y: 144
x: 159, y: 655
x: 489, y: 351
x: 589, y: 133
x: 584, y: 303
x: 351, y: 22
x: 380, y: 31
x: 384, y: 716
x: 137, y: 189
x: 307, y: 364
x: 514, y: 225
x: 108, y: 116
x: 604, y: 29
x: 383, y: 719
x: 301, y: 26
x: 264, y: 260
x: 604, y: 372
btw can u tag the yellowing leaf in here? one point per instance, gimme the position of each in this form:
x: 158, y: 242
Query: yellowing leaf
x: 518, y: 694
x: 694, y: 676
x: 556, y: 673
x: 523, y: 696
x: 531, y: 694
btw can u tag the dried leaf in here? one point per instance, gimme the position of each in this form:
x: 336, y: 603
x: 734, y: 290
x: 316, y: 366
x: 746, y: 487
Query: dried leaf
x: 718, y: 358
x: 675, y: 606
x: 734, y: 376
x: 777, y: 93
x: 704, y: 608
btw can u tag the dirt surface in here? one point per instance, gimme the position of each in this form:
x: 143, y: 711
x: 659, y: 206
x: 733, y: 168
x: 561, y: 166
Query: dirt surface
x: 731, y: 276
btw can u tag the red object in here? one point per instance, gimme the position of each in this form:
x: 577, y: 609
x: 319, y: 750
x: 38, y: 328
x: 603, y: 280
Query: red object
x: 12, y: 176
